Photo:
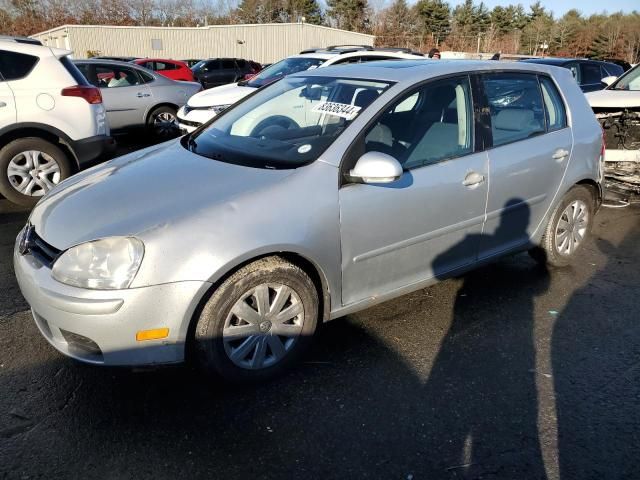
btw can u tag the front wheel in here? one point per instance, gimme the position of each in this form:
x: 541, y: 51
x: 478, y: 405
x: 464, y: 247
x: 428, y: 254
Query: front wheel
x: 29, y: 168
x: 567, y: 229
x: 258, y: 322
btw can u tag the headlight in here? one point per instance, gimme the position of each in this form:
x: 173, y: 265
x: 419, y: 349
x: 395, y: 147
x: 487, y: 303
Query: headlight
x: 108, y: 264
x: 219, y: 108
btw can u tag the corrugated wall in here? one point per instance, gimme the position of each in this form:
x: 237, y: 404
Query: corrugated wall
x: 265, y: 43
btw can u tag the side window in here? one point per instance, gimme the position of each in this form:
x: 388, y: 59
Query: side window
x: 212, y: 65
x: 426, y: 126
x: 149, y: 65
x: 228, y: 64
x: 241, y: 63
x: 575, y: 71
x: 555, y: 113
x: 164, y: 66
x: 145, y: 77
x: 515, y: 105
x: 345, y: 61
x: 590, y: 73
x: 115, y: 76
x: 14, y: 66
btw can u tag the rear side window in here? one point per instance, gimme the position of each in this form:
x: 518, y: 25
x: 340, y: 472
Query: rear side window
x: 241, y: 63
x: 77, y: 75
x: 516, y: 106
x: 226, y: 64
x: 161, y: 66
x: 590, y: 74
x: 555, y: 114
x: 14, y: 66
x: 146, y: 78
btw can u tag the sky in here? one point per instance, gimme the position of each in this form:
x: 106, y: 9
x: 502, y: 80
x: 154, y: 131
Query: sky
x: 559, y: 7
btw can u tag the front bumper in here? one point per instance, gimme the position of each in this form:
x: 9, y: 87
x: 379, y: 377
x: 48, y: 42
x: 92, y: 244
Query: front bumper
x: 100, y: 326
x: 189, y: 119
x: 89, y: 151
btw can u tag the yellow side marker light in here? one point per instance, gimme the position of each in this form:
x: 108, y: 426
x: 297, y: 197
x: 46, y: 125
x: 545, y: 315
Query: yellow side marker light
x: 154, y: 334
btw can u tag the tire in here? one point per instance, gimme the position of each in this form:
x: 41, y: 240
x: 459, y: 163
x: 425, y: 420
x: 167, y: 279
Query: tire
x: 257, y: 347
x: 29, y: 168
x: 163, y: 122
x: 557, y: 249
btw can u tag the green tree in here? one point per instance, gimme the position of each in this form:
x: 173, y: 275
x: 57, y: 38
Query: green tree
x: 434, y: 18
x: 309, y: 9
x: 348, y: 14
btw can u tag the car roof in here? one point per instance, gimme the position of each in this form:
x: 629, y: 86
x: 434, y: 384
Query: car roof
x: 9, y: 43
x: 166, y: 60
x: 561, y: 61
x: 413, y: 71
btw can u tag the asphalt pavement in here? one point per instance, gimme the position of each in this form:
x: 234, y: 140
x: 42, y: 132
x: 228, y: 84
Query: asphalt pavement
x: 509, y: 372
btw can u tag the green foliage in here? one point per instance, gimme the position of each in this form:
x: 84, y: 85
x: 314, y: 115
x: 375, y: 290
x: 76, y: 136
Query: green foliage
x: 348, y: 14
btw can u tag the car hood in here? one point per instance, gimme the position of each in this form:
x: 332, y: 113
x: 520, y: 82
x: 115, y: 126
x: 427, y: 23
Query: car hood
x: 614, y: 99
x: 224, y: 95
x: 142, y: 192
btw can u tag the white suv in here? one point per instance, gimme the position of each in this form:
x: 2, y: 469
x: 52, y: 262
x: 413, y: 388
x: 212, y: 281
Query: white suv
x: 205, y: 105
x: 52, y: 120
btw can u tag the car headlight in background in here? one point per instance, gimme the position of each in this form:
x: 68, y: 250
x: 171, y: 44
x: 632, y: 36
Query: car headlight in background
x: 219, y: 108
x: 107, y: 264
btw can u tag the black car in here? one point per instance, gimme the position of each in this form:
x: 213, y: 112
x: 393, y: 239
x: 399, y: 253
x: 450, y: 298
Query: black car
x: 220, y: 71
x: 588, y: 73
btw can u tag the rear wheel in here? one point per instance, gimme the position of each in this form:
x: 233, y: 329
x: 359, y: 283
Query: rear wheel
x: 30, y: 168
x: 258, y: 322
x: 567, y: 229
x: 163, y: 122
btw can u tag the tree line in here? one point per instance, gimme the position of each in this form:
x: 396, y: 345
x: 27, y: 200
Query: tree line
x: 469, y: 26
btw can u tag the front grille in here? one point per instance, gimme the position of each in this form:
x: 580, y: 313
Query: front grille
x: 189, y: 123
x: 32, y: 243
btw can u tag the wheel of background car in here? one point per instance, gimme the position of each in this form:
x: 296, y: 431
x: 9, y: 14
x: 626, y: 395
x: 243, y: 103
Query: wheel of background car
x: 568, y: 228
x: 258, y: 322
x: 163, y: 122
x: 30, y: 168
x: 281, y: 121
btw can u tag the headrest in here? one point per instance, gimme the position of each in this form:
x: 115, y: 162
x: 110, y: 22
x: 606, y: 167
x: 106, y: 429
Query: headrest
x: 365, y: 97
x: 513, y: 119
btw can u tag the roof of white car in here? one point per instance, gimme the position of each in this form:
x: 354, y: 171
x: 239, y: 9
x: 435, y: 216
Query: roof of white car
x: 327, y: 55
x: 32, y: 49
x: 412, y: 71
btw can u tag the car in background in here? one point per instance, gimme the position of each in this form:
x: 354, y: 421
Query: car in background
x: 617, y: 108
x: 204, y: 106
x: 235, y: 243
x: 115, y: 58
x: 588, y: 73
x: 52, y: 121
x: 172, y: 69
x: 220, y: 71
x: 137, y: 97
x: 191, y: 61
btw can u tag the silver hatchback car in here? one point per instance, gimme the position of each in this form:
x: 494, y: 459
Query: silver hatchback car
x: 318, y: 196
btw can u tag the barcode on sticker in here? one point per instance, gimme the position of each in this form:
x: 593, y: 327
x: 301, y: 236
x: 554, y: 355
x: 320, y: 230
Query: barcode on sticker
x: 343, y: 110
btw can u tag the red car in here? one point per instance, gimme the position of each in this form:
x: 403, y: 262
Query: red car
x: 172, y: 69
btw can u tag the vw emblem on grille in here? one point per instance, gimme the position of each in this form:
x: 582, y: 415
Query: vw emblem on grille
x: 24, y: 245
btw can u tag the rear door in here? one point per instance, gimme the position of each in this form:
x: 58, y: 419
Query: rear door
x: 124, y: 93
x: 14, y: 66
x: 7, y: 102
x: 229, y: 72
x: 531, y: 145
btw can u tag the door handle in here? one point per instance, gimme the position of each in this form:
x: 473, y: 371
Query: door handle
x: 473, y: 179
x: 560, y: 154
x: 2, y: 104
x: 140, y: 95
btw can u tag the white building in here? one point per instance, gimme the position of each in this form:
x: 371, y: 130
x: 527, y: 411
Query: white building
x: 264, y: 43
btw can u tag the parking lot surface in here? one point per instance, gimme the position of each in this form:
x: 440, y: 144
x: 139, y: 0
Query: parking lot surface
x: 510, y: 372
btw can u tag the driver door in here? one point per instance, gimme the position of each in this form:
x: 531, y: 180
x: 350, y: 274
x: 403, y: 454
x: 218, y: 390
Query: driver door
x: 427, y: 223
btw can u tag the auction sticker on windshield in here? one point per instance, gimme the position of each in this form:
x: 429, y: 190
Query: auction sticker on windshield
x: 343, y: 110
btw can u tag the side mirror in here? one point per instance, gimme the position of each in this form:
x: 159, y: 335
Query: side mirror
x: 376, y: 167
x: 609, y: 80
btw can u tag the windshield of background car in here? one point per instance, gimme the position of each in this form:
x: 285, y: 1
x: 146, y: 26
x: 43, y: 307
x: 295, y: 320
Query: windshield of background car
x: 629, y: 81
x: 286, y: 125
x: 282, y: 68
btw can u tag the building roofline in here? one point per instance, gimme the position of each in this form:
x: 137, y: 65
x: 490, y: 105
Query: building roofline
x: 208, y: 27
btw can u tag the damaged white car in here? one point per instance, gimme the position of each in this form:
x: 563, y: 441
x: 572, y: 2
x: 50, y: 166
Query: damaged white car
x: 617, y: 108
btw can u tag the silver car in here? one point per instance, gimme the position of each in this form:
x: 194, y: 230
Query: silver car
x: 137, y: 97
x: 318, y: 196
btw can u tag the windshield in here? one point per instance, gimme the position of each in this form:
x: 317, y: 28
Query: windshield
x: 628, y: 81
x: 282, y: 68
x: 288, y: 124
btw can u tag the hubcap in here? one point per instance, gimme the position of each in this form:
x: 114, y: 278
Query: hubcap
x: 164, y: 123
x: 572, y: 227
x: 33, y: 173
x: 263, y: 326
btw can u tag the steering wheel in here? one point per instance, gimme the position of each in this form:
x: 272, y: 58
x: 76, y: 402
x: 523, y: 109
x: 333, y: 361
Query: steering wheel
x: 280, y: 121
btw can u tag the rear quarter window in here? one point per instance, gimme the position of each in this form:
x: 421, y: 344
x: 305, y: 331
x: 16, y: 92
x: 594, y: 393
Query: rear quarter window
x: 14, y: 66
x: 554, y: 109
